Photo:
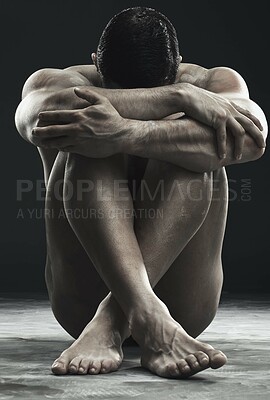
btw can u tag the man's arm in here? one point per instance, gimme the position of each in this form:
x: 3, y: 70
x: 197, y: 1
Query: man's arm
x: 46, y: 89
x: 212, y: 109
x: 191, y: 144
x: 185, y: 142
x: 53, y: 89
x: 99, y: 131
x: 223, y: 103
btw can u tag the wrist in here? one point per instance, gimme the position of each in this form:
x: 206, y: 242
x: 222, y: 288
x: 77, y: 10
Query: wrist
x: 126, y: 140
x: 184, y: 96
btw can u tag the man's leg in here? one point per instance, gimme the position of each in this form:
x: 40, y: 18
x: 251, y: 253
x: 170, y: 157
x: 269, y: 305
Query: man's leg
x: 69, y: 272
x: 192, y: 285
x: 191, y: 222
x: 191, y: 288
x: 75, y: 288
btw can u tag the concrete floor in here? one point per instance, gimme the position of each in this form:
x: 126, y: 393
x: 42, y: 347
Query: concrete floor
x: 30, y: 339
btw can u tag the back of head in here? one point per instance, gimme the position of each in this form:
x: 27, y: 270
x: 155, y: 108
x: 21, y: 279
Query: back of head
x: 138, y: 48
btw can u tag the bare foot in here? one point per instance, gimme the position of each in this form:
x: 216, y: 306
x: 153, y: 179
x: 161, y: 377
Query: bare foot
x: 167, y: 349
x: 97, y: 350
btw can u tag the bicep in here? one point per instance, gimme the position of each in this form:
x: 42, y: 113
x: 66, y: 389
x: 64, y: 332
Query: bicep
x: 51, y: 79
x: 45, y: 89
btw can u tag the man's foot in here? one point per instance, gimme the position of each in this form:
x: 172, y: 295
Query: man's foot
x: 97, y: 350
x: 167, y: 349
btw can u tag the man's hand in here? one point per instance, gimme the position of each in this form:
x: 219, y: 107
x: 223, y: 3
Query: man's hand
x: 92, y: 131
x: 223, y: 115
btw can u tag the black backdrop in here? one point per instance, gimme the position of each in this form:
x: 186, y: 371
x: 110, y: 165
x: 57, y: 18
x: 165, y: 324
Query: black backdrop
x: 37, y: 34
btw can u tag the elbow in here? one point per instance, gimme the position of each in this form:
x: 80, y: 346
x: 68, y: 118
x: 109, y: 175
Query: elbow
x: 258, y: 153
x: 253, y: 151
x: 18, y: 122
x: 21, y: 126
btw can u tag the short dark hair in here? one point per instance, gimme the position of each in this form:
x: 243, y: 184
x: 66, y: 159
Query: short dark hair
x: 138, y: 48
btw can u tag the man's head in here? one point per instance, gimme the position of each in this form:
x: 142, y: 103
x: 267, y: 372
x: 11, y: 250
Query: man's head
x: 138, y: 48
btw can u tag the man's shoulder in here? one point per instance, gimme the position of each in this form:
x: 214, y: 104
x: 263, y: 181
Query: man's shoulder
x: 88, y: 71
x: 52, y: 79
x: 215, y: 79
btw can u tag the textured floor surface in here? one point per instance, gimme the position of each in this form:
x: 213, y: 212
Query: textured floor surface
x: 30, y: 339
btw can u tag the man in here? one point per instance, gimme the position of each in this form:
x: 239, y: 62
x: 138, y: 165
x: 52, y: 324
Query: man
x: 138, y: 131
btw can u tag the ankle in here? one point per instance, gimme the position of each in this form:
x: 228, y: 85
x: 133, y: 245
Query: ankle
x: 144, y: 312
x: 110, y: 309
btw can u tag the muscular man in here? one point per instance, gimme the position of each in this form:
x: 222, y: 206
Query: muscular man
x: 138, y: 130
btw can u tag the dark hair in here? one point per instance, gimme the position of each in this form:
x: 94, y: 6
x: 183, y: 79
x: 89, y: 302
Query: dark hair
x: 138, y: 48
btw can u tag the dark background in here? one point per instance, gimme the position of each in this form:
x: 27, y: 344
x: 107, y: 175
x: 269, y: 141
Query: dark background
x: 37, y: 34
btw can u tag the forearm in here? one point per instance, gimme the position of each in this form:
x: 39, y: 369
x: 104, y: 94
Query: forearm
x: 145, y: 104
x: 142, y: 104
x: 183, y: 142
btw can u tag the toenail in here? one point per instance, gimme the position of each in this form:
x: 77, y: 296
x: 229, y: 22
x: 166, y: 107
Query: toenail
x: 92, y: 369
x: 81, y: 369
x: 196, y: 364
x: 56, y: 365
x: 186, y: 368
x: 103, y: 369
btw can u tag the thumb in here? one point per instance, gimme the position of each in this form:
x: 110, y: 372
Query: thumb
x: 89, y: 95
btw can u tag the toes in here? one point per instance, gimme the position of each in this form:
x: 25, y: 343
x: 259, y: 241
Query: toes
x: 193, y: 363
x: 110, y: 365
x: 84, y: 366
x: 217, y: 358
x: 115, y: 365
x: 94, y: 368
x: 183, y: 367
x: 203, y: 359
x: 106, y: 366
x: 60, y: 366
x: 172, y: 370
x: 74, y: 365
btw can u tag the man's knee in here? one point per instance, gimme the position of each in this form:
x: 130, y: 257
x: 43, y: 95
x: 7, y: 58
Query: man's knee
x: 75, y: 164
x: 192, y: 196
x: 199, y: 189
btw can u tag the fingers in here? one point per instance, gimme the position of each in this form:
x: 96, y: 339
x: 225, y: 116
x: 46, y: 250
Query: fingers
x: 89, y: 95
x: 240, y: 126
x: 64, y: 116
x: 238, y: 132
x: 252, y: 130
x: 221, y: 140
x: 54, y: 131
x: 248, y: 114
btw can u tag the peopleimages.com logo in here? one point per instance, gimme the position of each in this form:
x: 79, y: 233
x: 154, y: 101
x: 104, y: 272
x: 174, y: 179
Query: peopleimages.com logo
x: 88, y: 199
x: 122, y: 189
